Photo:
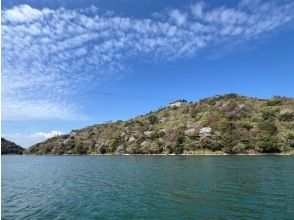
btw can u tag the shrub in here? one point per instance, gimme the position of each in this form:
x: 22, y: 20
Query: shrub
x: 268, y: 114
x: 288, y: 116
x: 290, y: 140
x: 268, y: 144
x: 239, y: 148
x: 132, y: 149
x: 152, y: 119
x: 155, y: 148
x: 225, y: 125
x: 246, y: 123
x: 274, y: 102
x: 178, y: 149
x: 102, y: 150
x: 194, y: 113
x: 268, y: 127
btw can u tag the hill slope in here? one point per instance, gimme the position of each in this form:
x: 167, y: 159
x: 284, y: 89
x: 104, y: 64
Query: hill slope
x: 8, y: 147
x: 228, y: 123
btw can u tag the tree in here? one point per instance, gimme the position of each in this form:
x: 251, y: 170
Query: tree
x: 113, y: 144
x: 268, y: 144
x: 79, y: 148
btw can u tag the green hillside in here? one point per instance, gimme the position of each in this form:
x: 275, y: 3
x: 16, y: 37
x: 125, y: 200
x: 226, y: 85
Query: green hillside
x: 228, y: 123
x: 8, y: 147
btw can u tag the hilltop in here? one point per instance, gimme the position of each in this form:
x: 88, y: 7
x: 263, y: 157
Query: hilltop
x: 8, y: 147
x: 228, y: 124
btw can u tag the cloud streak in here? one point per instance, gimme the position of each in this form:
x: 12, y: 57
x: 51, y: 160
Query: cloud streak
x: 48, y: 54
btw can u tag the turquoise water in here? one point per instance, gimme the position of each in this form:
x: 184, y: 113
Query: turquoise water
x: 147, y: 187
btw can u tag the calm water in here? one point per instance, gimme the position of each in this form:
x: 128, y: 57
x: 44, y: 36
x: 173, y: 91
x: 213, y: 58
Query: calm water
x: 148, y: 187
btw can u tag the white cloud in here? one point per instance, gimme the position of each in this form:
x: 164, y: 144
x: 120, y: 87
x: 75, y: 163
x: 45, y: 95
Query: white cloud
x: 48, y: 134
x: 23, y: 13
x: 48, y: 55
x: 27, y: 140
x: 38, y: 109
x: 178, y: 17
x: 197, y: 9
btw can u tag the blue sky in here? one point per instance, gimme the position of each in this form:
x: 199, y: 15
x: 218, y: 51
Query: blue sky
x: 69, y: 64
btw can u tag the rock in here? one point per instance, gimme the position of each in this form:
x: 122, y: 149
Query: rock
x: 66, y: 141
x: 219, y: 103
x: 205, y: 131
x: 132, y: 139
x: 73, y: 133
x: 148, y: 133
x: 145, y: 143
x: 190, y: 132
x: 286, y: 111
x: 135, y: 133
x: 123, y: 134
x: 241, y: 106
x: 162, y: 130
x: 163, y: 119
x: 120, y: 150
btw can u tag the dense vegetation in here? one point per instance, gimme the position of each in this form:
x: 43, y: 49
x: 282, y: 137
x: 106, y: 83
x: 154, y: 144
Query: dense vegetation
x: 8, y: 147
x: 229, y: 123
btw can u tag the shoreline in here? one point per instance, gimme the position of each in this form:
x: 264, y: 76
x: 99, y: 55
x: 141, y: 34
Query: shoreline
x: 183, y: 154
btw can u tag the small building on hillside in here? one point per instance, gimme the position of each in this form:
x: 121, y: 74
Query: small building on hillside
x: 178, y: 103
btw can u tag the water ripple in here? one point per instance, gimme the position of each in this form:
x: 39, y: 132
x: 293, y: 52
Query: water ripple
x: 147, y: 187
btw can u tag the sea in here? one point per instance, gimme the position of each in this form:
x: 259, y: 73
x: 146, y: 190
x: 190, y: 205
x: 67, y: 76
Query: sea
x: 147, y: 187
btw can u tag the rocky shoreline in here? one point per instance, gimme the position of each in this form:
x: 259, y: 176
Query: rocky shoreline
x: 199, y: 153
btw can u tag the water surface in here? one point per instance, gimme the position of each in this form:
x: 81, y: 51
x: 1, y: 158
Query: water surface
x: 147, y: 187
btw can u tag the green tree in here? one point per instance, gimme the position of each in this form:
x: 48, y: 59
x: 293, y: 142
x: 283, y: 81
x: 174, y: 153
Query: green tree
x: 112, y: 144
x: 79, y: 148
x: 268, y: 144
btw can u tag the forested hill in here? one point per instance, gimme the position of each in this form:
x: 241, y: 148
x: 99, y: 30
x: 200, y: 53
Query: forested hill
x: 228, y: 123
x: 8, y: 147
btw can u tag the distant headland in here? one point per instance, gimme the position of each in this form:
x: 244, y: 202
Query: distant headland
x: 223, y: 124
x: 8, y: 147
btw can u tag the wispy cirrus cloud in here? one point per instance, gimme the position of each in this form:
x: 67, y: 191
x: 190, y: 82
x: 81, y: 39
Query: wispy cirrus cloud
x: 48, y: 54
